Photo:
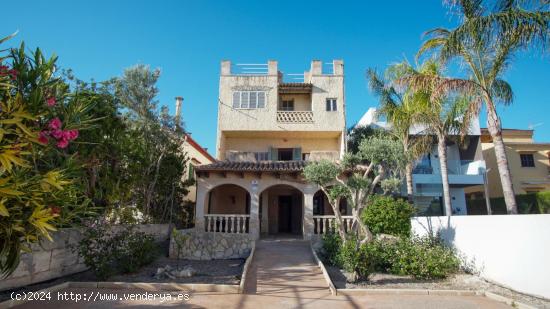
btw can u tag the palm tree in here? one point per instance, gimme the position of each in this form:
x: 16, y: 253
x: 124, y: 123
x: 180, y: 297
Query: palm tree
x: 484, y: 42
x: 401, y: 109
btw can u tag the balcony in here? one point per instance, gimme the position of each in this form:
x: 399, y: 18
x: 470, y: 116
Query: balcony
x: 463, y: 172
x: 295, y: 116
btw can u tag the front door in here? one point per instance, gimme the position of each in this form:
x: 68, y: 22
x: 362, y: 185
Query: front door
x: 285, y: 206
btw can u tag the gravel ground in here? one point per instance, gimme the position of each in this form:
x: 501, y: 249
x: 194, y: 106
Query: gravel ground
x: 456, y: 282
x: 213, y: 272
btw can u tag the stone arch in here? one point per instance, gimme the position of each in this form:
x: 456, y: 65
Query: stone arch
x: 227, y: 198
x: 281, y: 209
x: 322, y: 207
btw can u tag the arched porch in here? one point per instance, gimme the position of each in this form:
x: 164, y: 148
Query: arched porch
x: 281, y: 210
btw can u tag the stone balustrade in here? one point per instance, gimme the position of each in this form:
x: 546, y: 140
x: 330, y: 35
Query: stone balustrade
x: 325, y: 224
x: 225, y: 223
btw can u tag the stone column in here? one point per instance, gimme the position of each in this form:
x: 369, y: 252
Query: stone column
x: 265, y: 211
x: 308, y: 227
x: 200, y: 205
x: 254, y: 226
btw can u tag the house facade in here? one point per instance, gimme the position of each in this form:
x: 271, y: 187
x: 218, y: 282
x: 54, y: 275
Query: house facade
x: 267, y: 131
x: 196, y: 155
x: 465, y: 164
x: 529, y: 162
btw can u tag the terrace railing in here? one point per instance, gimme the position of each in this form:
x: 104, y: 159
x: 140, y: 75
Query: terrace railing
x: 223, y: 223
x: 326, y: 224
x: 295, y: 116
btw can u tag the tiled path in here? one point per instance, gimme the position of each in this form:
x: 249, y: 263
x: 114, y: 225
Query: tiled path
x: 282, y: 275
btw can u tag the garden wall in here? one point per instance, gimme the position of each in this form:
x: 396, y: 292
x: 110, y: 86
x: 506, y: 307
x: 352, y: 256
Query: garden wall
x: 54, y: 259
x: 197, y: 245
x: 510, y: 250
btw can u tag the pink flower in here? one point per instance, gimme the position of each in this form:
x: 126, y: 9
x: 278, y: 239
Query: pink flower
x: 62, y: 143
x: 55, y: 124
x: 50, y: 101
x: 43, y: 137
x: 58, y: 134
x: 72, y: 134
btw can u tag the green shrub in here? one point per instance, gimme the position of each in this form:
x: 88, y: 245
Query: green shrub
x: 354, y: 259
x: 331, y: 248
x: 135, y: 249
x: 387, y: 215
x: 423, y: 258
x: 107, y: 252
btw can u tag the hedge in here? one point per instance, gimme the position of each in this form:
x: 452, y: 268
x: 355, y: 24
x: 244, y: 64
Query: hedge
x: 531, y: 203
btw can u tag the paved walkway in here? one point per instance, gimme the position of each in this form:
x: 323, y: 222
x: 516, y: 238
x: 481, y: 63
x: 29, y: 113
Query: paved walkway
x: 282, y: 275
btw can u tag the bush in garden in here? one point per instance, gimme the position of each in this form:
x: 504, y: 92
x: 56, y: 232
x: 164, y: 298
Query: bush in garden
x: 107, y: 251
x: 423, y: 258
x: 354, y: 259
x: 331, y: 248
x: 386, y: 215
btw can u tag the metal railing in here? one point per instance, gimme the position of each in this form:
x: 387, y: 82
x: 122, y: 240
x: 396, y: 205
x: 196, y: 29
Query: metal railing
x: 222, y: 223
x: 295, y: 116
x: 326, y: 224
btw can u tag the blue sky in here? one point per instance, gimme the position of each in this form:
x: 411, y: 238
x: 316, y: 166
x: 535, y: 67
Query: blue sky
x: 188, y: 39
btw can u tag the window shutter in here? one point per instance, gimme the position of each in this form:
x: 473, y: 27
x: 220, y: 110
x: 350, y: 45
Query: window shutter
x: 272, y: 154
x: 297, y: 154
x: 333, y: 105
x: 328, y: 105
x: 236, y: 99
x: 261, y: 99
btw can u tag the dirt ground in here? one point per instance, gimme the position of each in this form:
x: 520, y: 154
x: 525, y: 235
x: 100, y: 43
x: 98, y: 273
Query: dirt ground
x: 214, y: 272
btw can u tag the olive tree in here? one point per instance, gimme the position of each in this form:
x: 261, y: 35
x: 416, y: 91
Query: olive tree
x: 376, y: 168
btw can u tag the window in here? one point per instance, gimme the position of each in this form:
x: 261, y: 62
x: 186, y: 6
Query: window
x: 527, y: 160
x: 331, y: 105
x: 248, y: 99
x: 260, y: 156
x: 284, y: 154
x: 287, y: 105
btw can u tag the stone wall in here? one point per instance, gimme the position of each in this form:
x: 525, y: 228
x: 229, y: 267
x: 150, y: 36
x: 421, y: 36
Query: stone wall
x: 54, y: 259
x: 207, y: 246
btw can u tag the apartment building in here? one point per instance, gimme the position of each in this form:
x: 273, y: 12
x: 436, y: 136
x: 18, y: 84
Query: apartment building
x: 268, y: 129
x: 465, y: 164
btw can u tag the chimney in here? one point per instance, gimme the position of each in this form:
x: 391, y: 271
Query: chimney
x: 179, y: 103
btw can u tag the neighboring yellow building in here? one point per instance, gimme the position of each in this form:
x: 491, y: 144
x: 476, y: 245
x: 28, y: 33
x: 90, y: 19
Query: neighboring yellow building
x: 529, y: 162
x: 196, y: 155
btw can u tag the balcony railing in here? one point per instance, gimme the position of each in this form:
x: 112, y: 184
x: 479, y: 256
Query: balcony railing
x: 326, y: 224
x: 222, y: 223
x: 295, y: 116
x: 454, y: 167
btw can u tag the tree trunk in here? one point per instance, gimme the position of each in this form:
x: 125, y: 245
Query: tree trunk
x: 442, y: 150
x: 409, y: 180
x: 493, y: 125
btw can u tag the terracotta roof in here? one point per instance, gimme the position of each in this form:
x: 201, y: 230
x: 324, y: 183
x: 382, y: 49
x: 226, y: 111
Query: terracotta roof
x: 198, y: 147
x: 262, y: 166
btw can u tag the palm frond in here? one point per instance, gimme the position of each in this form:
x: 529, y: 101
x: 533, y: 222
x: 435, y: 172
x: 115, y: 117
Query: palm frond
x: 502, y: 91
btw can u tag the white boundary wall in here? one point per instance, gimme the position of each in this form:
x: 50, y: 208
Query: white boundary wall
x: 510, y: 250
